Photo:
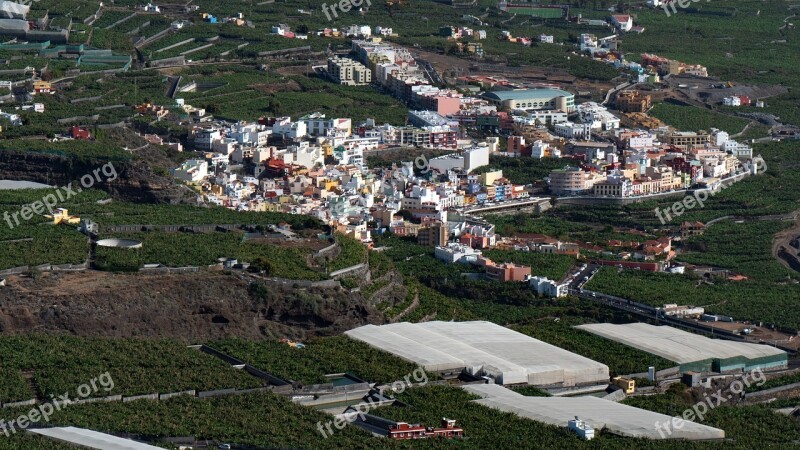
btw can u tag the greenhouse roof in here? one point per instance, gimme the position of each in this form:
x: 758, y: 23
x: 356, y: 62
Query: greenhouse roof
x: 483, y: 348
x: 619, y: 419
x: 678, y: 345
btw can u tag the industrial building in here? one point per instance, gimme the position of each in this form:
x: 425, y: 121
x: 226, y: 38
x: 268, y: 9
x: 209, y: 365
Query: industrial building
x: 692, y: 351
x: 14, y: 23
x: 532, y: 99
x: 594, y: 412
x: 483, y: 349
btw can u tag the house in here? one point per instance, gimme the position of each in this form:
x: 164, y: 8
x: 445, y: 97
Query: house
x: 623, y: 22
x: 403, y: 430
x: 456, y: 253
x: 547, y: 287
x: 61, y: 216
x: 504, y: 271
x: 689, y: 229
x: 80, y: 133
x: 281, y: 29
x: 193, y: 170
x: 581, y: 428
x: 35, y: 107
x: 42, y: 87
x: 627, y: 385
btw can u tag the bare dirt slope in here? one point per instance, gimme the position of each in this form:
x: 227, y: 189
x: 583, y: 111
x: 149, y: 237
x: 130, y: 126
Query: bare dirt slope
x: 189, y: 307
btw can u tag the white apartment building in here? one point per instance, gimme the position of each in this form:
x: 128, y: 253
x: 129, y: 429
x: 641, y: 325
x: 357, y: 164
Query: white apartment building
x: 457, y: 253
x: 571, y: 130
x: 349, y: 72
x: 204, y: 138
x: 547, y: 287
x: 193, y: 170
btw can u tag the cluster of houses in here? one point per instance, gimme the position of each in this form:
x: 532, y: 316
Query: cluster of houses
x: 641, y: 162
x: 456, y: 252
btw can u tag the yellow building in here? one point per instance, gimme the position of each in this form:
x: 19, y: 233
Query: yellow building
x: 489, y: 178
x: 628, y: 386
x: 61, y: 215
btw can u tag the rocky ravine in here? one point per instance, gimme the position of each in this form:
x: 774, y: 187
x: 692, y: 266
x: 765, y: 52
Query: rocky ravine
x: 189, y: 307
x: 135, y: 182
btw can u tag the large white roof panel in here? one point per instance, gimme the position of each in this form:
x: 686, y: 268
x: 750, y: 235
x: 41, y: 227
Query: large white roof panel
x: 91, y: 439
x: 483, y: 348
x: 12, y: 10
x: 677, y: 345
x: 598, y: 413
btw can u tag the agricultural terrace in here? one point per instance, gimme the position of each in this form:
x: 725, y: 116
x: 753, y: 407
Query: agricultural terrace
x: 39, y: 366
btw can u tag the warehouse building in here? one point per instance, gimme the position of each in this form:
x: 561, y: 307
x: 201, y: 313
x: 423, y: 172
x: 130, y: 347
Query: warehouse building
x: 13, y: 23
x: 483, y: 349
x: 692, y: 351
x: 532, y: 99
x: 598, y: 413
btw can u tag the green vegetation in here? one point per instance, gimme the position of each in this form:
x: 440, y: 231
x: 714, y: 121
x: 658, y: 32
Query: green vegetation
x: 769, y: 302
x: 352, y: 252
x: 243, y: 419
x: 62, y: 363
x: 742, y: 247
x: 248, y: 93
x: 541, y: 264
x: 202, y: 249
x: 523, y: 170
x: 774, y: 382
x: 321, y: 356
x: 14, y: 387
x: 689, y: 118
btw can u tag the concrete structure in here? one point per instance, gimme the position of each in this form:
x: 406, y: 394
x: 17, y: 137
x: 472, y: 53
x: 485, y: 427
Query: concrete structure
x: 433, y: 235
x: 581, y: 428
x: 456, y: 253
x: 692, y: 351
x: 192, y: 171
x: 687, y: 140
x: 570, y: 181
x: 527, y: 99
x: 633, y: 101
x: 595, y: 412
x: 504, y: 271
x: 483, y: 349
x: 547, y: 287
x: 349, y: 72
x: 467, y: 160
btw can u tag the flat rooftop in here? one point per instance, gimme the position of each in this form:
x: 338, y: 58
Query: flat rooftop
x: 616, y: 418
x: 483, y: 349
x: 678, y: 345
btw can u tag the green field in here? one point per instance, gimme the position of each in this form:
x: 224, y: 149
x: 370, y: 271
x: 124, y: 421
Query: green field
x: 61, y: 364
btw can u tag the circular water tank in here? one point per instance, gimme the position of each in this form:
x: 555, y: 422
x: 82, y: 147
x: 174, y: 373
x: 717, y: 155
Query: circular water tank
x: 119, y: 243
